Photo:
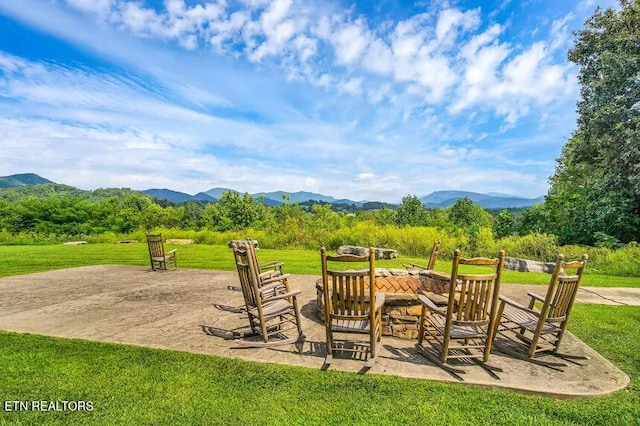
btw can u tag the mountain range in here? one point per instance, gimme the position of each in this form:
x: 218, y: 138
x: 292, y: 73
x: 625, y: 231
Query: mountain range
x: 494, y: 200
x: 440, y: 199
x: 23, y: 179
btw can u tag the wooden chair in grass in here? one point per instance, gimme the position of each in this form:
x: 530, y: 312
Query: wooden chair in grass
x: 158, y: 256
x: 351, y: 306
x: 271, y: 307
x: 465, y: 329
x: 432, y: 259
x: 540, y: 326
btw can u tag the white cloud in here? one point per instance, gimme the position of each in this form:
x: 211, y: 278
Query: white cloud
x: 293, y: 86
x: 450, y: 19
x: 352, y: 86
x: 350, y: 42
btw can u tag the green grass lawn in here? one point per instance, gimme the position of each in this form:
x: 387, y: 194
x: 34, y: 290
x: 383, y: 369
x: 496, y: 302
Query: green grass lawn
x: 16, y: 260
x: 134, y: 385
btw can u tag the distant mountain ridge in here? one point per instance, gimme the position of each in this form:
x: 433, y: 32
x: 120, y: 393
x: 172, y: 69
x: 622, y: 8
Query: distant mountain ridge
x: 494, y: 200
x: 439, y: 199
x: 178, y: 197
x: 302, y: 196
x: 23, y: 179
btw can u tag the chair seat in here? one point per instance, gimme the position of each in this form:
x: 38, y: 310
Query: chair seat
x: 528, y: 321
x: 457, y: 331
x: 274, y: 308
x: 162, y: 258
x: 350, y: 326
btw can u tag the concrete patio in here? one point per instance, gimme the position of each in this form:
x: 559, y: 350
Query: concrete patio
x: 187, y: 309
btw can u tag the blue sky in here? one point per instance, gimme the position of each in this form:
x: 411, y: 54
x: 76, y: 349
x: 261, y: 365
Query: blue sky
x: 367, y: 100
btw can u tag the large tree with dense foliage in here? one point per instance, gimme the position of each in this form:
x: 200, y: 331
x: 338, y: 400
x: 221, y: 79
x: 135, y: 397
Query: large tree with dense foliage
x: 596, y: 186
x: 411, y: 212
x: 464, y: 213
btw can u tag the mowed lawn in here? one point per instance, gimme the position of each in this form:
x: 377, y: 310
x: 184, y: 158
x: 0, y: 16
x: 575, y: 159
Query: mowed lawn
x: 134, y: 385
x: 16, y: 260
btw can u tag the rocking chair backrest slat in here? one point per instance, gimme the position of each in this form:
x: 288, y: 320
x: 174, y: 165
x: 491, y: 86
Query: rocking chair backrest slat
x: 562, y: 290
x: 434, y: 255
x: 472, y: 297
x: 475, y: 297
x: 244, y: 273
x: 156, y: 248
x: 349, y: 290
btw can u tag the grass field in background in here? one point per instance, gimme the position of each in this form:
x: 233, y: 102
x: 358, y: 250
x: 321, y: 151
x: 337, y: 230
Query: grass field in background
x: 16, y: 260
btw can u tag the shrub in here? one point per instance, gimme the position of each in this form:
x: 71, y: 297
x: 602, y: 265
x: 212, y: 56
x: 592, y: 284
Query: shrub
x: 542, y: 247
x: 623, y: 262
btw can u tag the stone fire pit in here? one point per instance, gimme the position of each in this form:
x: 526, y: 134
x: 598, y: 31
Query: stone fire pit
x: 401, y: 311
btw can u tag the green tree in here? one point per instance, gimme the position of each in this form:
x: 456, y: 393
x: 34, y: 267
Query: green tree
x: 384, y: 216
x: 464, y: 213
x: 596, y: 185
x: 233, y: 212
x: 503, y: 224
x: 411, y: 212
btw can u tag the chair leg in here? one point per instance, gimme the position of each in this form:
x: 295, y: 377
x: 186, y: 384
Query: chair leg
x: 297, y: 314
x: 421, y: 325
x: 329, y: 356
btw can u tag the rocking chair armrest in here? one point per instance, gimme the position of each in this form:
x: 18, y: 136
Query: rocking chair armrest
x: 269, y: 274
x: 171, y: 252
x: 536, y: 297
x: 282, y: 278
x: 271, y: 265
x: 422, y: 298
x: 282, y: 296
x: 276, y: 285
x: 517, y: 305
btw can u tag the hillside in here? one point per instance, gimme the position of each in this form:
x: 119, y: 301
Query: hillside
x: 444, y: 199
x: 178, y: 197
x: 26, y: 184
x: 23, y: 179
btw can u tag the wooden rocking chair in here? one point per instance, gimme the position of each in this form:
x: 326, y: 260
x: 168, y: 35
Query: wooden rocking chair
x: 351, y: 304
x: 465, y: 329
x: 158, y: 257
x: 541, y: 330
x: 272, y: 308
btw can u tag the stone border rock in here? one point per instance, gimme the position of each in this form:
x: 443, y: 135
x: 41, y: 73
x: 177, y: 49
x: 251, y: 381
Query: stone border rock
x: 526, y: 265
x: 126, y: 242
x: 381, y: 253
x: 74, y: 243
x: 179, y: 241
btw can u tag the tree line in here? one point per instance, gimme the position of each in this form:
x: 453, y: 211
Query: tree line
x: 594, y: 197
